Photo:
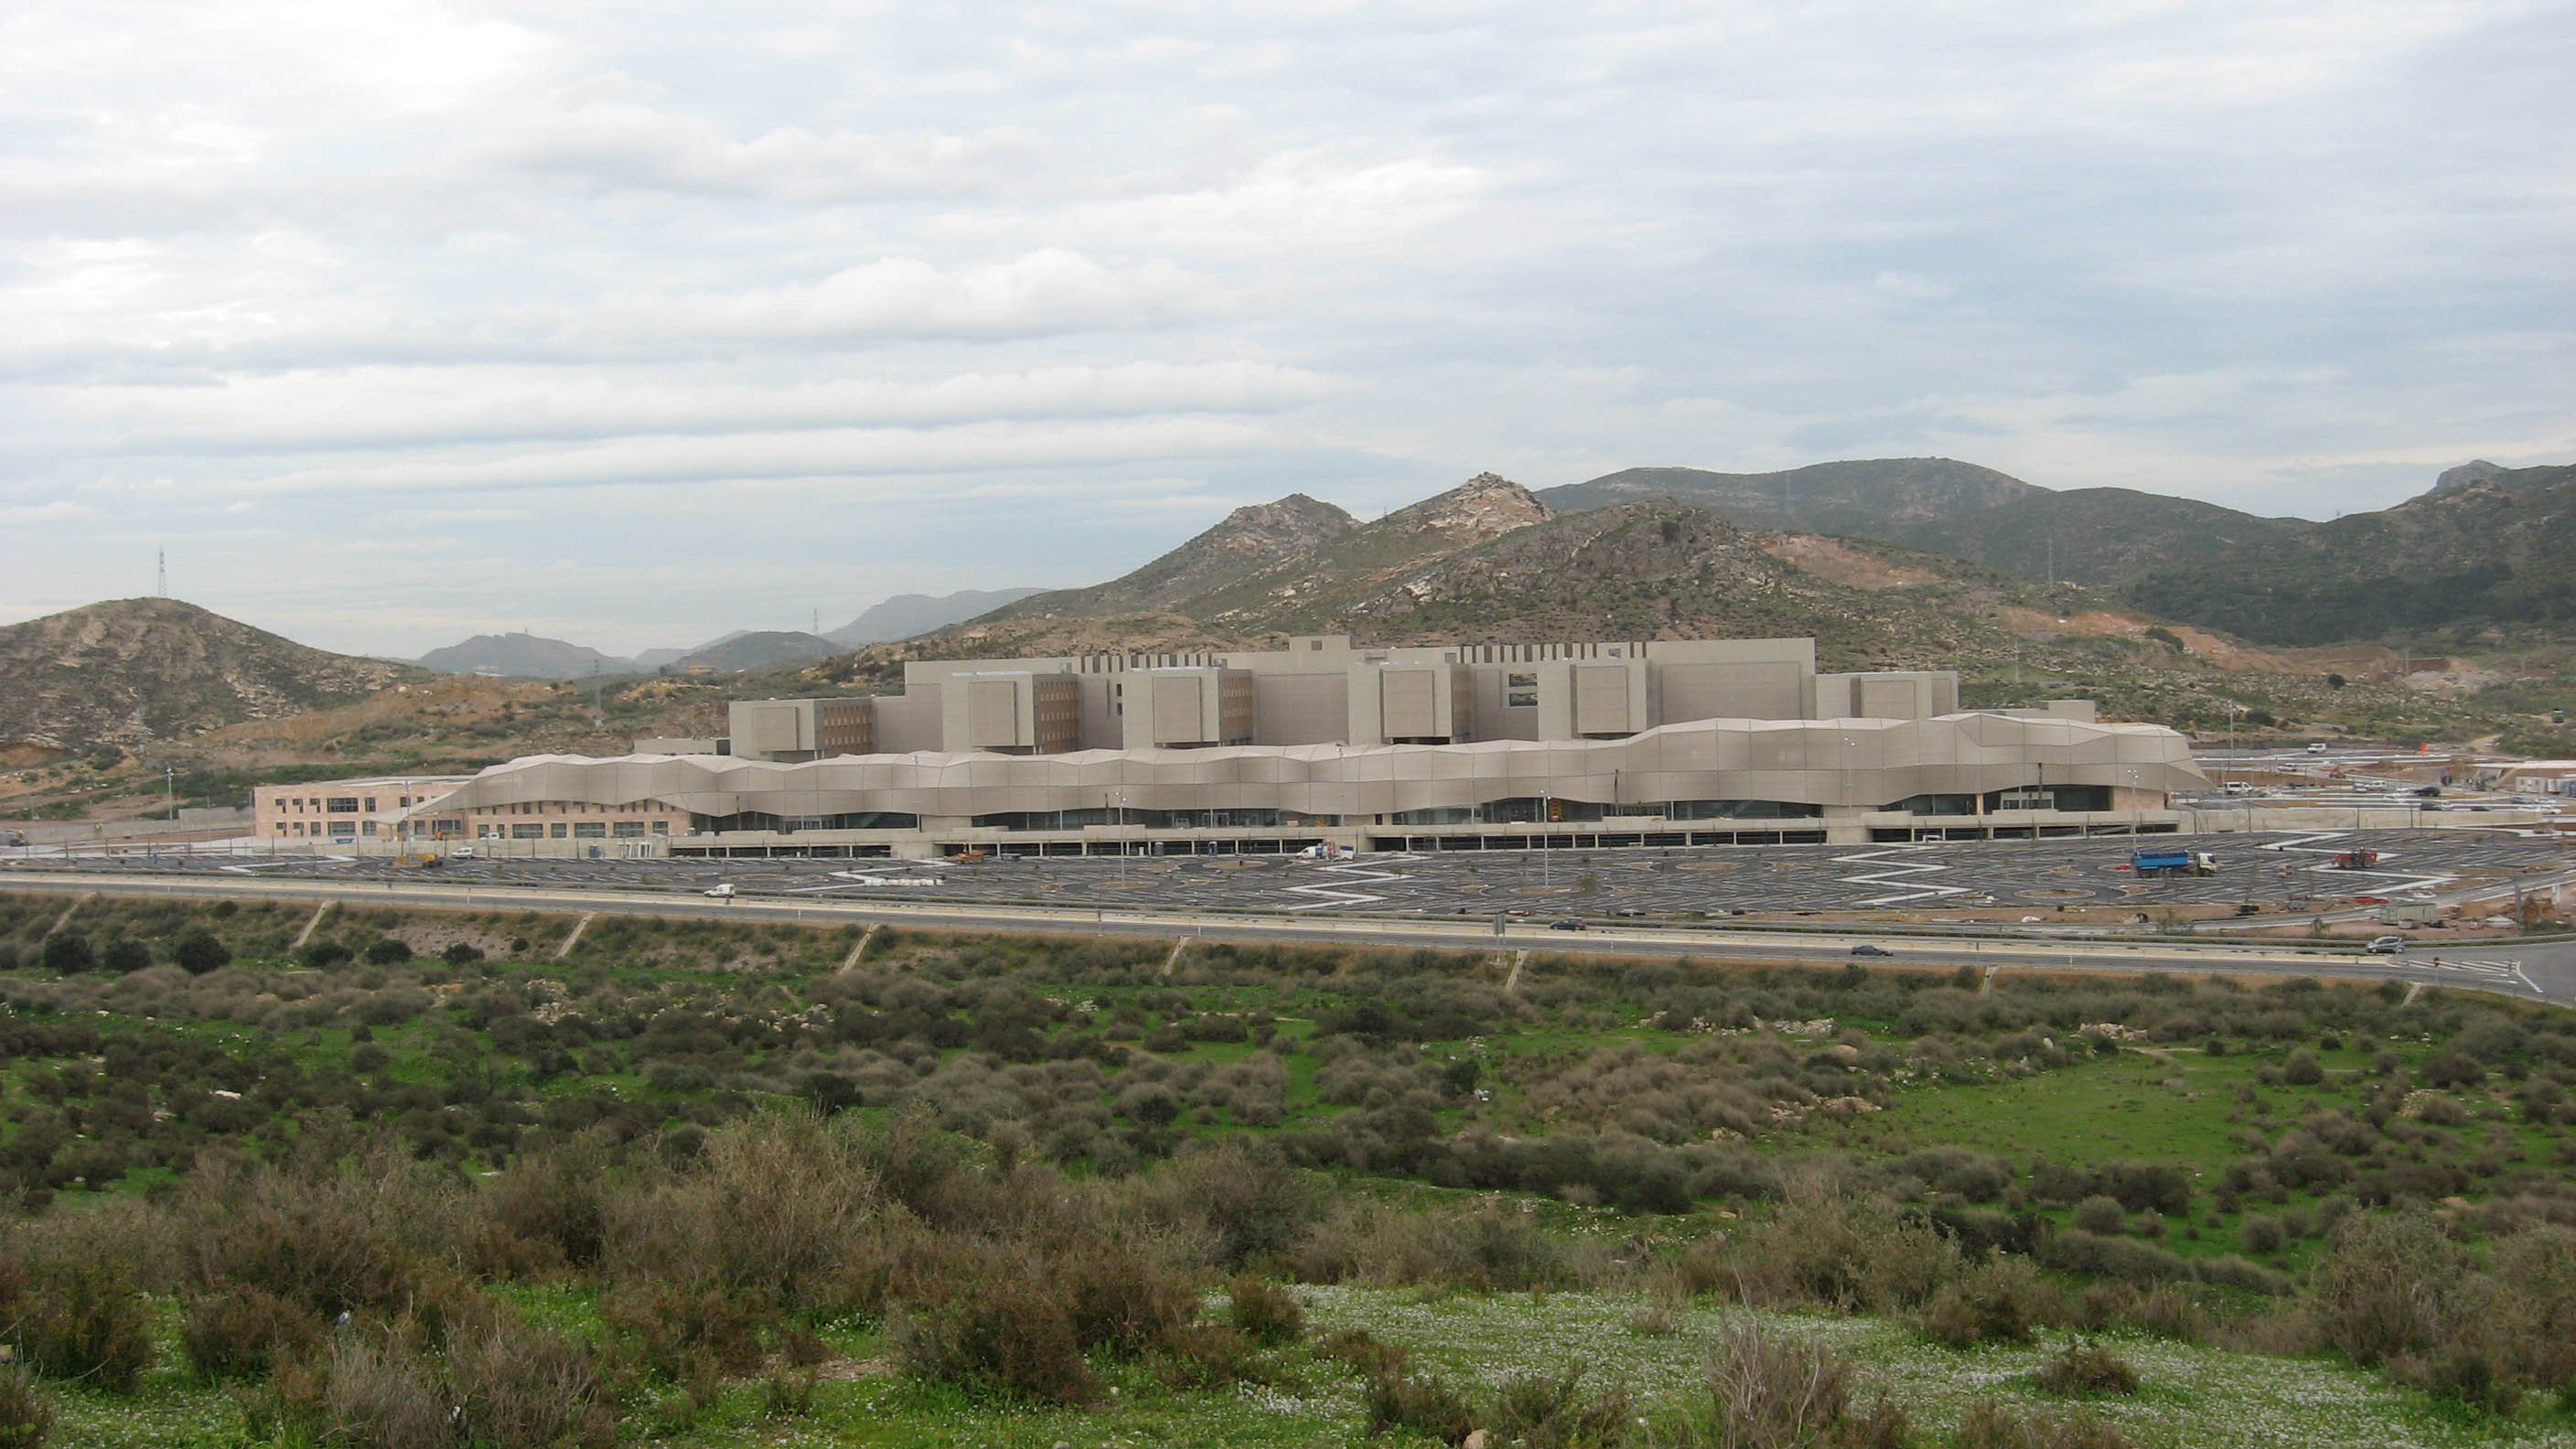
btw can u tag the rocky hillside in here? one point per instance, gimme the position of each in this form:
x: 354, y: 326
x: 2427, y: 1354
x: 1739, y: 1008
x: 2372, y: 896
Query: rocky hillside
x: 1870, y: 497
x: 756, y: 649
x: 132, y: 671
x: 2486, y: 550
x: 1251, y: 538
x: 523, y: 656
x: 2102, y: 537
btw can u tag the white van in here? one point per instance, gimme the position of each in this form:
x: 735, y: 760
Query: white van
x: 2239, y: 787
x: 2317, y: 747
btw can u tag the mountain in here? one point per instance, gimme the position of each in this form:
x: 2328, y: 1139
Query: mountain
x: 2100, y: 537
x: 905, y: 615
x: 131, y: 671
x: 1488, y: 561
x: 756, y: 649
x: 1250, y: 538
x: 523, y: 656
x: 2484, y: 547
x: 1867, y: 497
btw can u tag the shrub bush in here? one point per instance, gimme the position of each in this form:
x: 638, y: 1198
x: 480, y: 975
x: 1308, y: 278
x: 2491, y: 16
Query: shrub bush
x: 2100, y: 1214
x: 238, y: 1331
x: 2081, y: 1369
x: 519, y: 1386
x: 1420, y: 1404
x: 1010, y: 1335
x: 390, y: 951
x: 1542, y: 1411
x: 1990, y: 1425
x: 67, y: 953
x: 1998, y: 1301
x: 85, y: 1319
x: 1263, y: 1312
x: 196, y: 951
x: 26, y: 1410
x: 125, y: 955
x: 2388, y: 1285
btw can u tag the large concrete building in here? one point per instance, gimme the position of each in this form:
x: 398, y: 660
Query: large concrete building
x: 1436, y: 747
x: 346, y: 812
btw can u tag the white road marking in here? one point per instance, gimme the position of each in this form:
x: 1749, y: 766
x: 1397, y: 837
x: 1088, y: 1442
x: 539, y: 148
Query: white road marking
x: 1355, y: 871
x: 1893, y: 875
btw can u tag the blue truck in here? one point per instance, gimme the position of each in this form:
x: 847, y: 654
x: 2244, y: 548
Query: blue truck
x: 2172, y: 860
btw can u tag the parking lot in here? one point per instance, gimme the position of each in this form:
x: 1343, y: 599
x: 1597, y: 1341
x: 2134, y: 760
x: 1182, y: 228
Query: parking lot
x: 2273, y: 872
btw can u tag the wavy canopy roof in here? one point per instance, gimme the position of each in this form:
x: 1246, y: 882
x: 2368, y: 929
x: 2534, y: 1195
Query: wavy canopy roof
x: 1845, y: 762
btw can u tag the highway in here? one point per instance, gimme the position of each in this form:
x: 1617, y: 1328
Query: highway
x: 2530, y: 971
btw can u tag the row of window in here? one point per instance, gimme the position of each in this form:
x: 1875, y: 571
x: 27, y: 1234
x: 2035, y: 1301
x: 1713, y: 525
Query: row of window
x: 344, y: 804
x: 574, y: 830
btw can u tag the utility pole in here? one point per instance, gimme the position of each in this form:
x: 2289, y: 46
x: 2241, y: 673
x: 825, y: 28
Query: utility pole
x: 161, y: 581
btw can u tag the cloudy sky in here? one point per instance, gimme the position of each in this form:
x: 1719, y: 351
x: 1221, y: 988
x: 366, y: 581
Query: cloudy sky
x: 637, y: 323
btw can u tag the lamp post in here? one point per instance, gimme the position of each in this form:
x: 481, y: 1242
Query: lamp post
x: 1546, y: 861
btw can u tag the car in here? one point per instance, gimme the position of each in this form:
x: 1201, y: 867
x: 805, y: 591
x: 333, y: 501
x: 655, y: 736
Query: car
x: 2386, y: 946
x: 2318, y: 748
x: 722, y: 892
x: 1568, y: 924
x: 462, y: 852
x: 1627, y: 911
x: 1866, y: 949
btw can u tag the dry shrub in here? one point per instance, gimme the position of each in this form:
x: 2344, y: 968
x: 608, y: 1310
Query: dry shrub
x: 74, y: 1319
x: 1991, y: 1425
x: 1120, y: 1297
x: 2390, y: 1284
x: 26, y: 1410
x: 2533, y: 1315
x: 2160, y: 1312
x: 1243, y: 1196
x: 1009, y: 1333
x: 520, y: 1386
x: 1998, y: 1301
x: 1368, y: 1355
x: 1263, y: 1312
x: 681, y: 1331
x: 1768, y: 1391
x: 1540, y: 1411
x: 1419, y: 1404
x: 769, y: 1207
x: 239, y: 1331
x: 1843, y: 1251
x: 371, y: 1234
x: 376, y: 1389
x: 556, y: 1201
x: 2083, y: 1369
x: 1482, y: 1248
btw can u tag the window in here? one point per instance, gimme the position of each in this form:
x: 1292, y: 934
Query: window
x: 559, y: 830
x: 661, y: 827
x: 630, y: 829
x: 344, y: 804
x: 371, y: 804
x: 527, y: 832
x: 369, y: 828
x: 590, y: 830
x: 1520, y: 691
x: 484, y: 832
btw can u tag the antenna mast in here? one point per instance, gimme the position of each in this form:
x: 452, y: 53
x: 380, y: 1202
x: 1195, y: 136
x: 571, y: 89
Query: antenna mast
x: 161, y: 580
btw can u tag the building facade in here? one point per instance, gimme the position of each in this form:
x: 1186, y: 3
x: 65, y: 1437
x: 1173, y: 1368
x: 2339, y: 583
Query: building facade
x: 1322, y: 689
x: 346, y: 812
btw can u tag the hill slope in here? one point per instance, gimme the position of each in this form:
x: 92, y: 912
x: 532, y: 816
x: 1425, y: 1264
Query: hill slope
x: 523, y: 656
x: 2485, y: 547
x: 905, y: 615
x: 2101, y: 537
x: 130, y: 671
x: 757, y: 649
x: 1249, y: 539
x: 1868, y: 496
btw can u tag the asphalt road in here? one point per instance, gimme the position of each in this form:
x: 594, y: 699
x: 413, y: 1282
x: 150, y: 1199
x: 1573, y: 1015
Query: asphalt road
x: 2525, y: 970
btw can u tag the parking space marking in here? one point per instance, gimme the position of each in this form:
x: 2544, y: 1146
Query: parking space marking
x: 1355, y: 871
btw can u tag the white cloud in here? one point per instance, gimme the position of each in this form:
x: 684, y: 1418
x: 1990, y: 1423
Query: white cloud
x: 853, y: 300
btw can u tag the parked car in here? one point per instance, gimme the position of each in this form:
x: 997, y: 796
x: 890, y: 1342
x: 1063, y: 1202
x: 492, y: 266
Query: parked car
x: 462, y: 852
x: 1568, y: 924
x: 722, y: 892
x: 2386, y: 946
x: 1866, y: 949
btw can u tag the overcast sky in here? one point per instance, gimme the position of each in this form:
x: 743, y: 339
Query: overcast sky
x: 403, y: 320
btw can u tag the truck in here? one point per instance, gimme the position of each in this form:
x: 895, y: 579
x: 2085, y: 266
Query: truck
x: 2172, y: 860
x: 2355, y: 859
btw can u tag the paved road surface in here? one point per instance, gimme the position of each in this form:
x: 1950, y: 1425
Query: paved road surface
x: 2526, y: 970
